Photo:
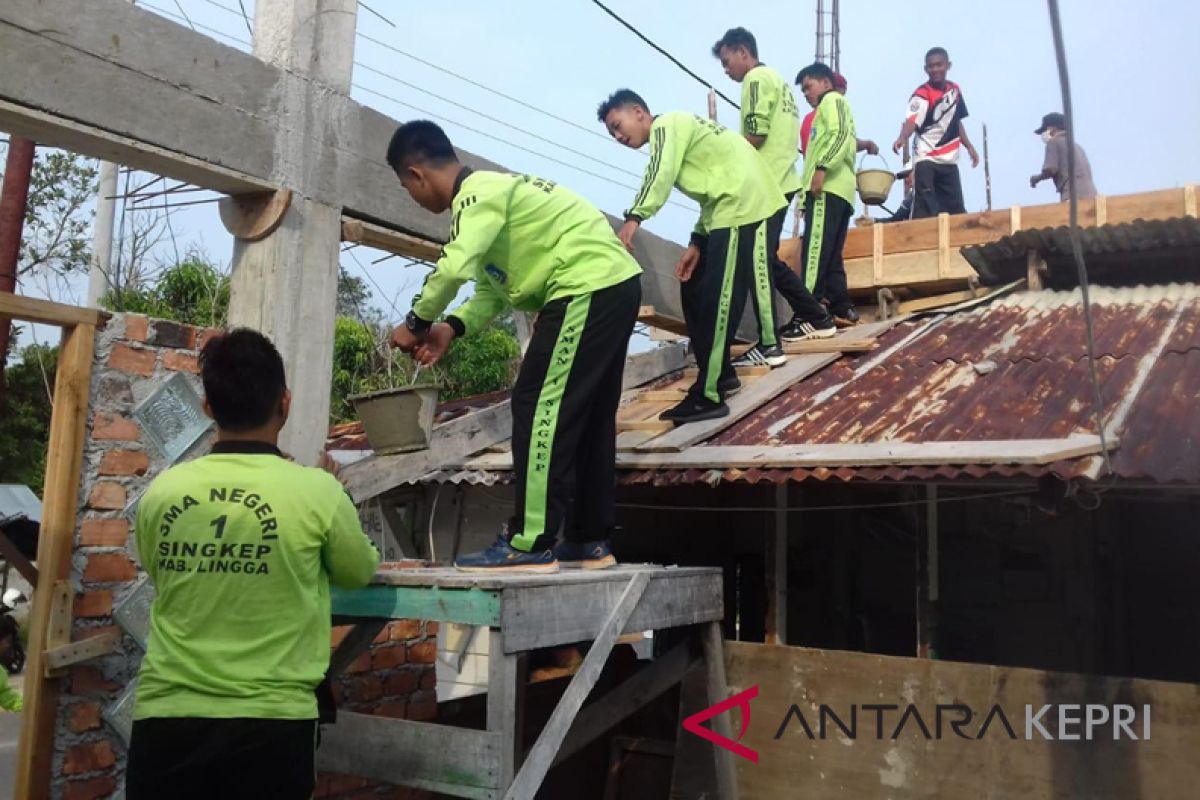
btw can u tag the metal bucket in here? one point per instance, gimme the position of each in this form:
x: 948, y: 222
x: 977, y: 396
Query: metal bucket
x: 874, y: 185
x: 398, y: 420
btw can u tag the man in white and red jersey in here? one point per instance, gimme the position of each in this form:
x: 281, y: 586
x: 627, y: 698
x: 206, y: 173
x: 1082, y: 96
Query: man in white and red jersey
x: 935, y: 113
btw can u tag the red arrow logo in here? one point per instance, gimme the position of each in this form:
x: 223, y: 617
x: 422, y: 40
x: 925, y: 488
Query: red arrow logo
x: 742, y: 699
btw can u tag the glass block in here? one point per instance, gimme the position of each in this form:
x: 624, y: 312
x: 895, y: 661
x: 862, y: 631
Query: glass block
x: 173, y: 417
x: 119, y: 715
x: 133, y: 613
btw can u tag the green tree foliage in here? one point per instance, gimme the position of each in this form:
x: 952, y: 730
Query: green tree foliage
x: 194, y: 292
x: 25, y: 421
x: 57, y: 234
x: 484, y: 362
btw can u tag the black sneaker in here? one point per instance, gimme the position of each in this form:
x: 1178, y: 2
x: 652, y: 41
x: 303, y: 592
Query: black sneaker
x: 759, y: 356
x: 730, y: 386
x: 695, y: 409
x: 799, y: 331
x: 846, y: 317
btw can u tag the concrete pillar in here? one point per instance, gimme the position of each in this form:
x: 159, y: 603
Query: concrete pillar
x: 286, y: 284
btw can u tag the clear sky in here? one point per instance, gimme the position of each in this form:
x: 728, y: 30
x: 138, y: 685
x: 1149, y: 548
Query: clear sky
x: 1134, y: 76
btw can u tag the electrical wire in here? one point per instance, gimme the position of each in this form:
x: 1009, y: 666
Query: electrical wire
x: 195, y: 26
x: 371, y: 278
x: 1064, y: 80
x: 672, y: 58
x: 373, y: 11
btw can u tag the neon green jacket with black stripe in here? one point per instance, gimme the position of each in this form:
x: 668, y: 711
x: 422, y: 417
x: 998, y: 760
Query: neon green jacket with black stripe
x: 526, y: 241
x: 717, y: 168
x: 769, y: 109
x: 832, y: 147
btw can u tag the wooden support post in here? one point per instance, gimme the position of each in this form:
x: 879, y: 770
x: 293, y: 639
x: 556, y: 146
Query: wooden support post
x: 943, y: 245
x: 541, y: 756
x: 718, y: 690
x: 17, y: 559
x: 877, y: 253
x: 1014, y: 215
x: 927, y: 578
x: 354, y: 645
x: 1189, y: 200
x: 506, y: 704
x: 1035, y: 265
x: 68, y: 426
x: 776, y: 557
x: 1101, y: 210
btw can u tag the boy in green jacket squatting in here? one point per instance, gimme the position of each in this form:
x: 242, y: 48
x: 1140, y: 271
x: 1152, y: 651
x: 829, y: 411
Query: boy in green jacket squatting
x: 532, y: 245
x: 729, y: 249
x: 241, y: 546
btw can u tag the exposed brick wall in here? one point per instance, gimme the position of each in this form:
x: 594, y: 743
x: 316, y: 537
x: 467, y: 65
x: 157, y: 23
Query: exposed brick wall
x: 134, y: 356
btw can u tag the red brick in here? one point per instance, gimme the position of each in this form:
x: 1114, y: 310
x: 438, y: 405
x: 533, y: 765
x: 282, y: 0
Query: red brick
x: 109, y: 568
x: 94, y: 604
x: 124, y: 462
x: 384, y: 636
x: 402, y: 683
x: 89, y: 680
x: 88, y: 758
x: 429, y: 679
x: 91, y: 789
x: 83, y: 717
x: 203, y: 335
x: 110, y: 427
x: 181, y: 362
x: 422, y: 706
x: 104, y: 533
x: 360, y: 664
x: 396, y: 708
x: 365, y: 689
x: 431, y: 628
x: 403, y: 629
x: 107, y: 496
x: 134, y: 362
x: 321, y: 790
x: 422, y: 652
x: 388, y: 657
x: 338, y: 633
x: 137, y: 327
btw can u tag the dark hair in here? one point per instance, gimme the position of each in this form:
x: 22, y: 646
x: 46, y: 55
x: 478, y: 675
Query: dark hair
x: 937, y: 51
x: 243, y: 379
x: 619, y: 99
x: 417, y: 142
x: 817, y: 71
x: 736, y: 37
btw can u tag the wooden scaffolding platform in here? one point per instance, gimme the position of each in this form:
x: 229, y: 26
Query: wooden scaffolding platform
x: 524, y: 612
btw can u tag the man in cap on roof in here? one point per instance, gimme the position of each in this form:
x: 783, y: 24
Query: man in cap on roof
x: 1053, y: 131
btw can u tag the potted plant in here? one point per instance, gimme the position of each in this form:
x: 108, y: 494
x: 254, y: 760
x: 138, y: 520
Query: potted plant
x: 396, y: 406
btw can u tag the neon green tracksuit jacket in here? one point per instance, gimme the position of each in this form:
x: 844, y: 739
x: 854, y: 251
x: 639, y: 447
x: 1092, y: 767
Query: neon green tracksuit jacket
x: 717, y: 168
x: 832, y: 147
x: 242, y: 547
x: 769, y: 109
x: 526, y: 241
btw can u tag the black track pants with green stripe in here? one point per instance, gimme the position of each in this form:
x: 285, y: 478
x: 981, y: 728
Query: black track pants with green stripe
x: 787, y: 282
x: 733, y: 263
x: 826, y: 220
x: 564, y: 409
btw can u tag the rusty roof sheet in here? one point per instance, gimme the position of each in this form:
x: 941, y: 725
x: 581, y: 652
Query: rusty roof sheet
x: 1014, y: 369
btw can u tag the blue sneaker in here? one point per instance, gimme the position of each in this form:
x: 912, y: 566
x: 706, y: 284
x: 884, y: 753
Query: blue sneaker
x: 503, y: 557
x: 586, y: 555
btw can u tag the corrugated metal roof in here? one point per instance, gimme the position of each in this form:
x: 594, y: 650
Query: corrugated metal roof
x: 1163, y: 250
x: 18, y: 501
x: 1015, y: 369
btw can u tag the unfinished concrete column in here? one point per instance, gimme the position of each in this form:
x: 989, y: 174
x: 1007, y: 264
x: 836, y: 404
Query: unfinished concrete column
x: 286, y: 284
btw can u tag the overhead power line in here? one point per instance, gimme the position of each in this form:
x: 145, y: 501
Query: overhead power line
x: 672, y: 58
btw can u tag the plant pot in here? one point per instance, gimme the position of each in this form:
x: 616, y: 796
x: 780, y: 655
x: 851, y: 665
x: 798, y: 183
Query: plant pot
x: 398, y: 420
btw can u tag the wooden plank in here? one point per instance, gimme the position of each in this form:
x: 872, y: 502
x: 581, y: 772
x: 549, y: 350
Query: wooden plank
x: 909, y: 270
x: 63, y: 656
x: 13, y: 556
x: 859, y: 454
x: 467, y: 606
x: 845, y: 343
x: 651, y: 365
x: 371, y: 235
x: 450, y: 578
x: 832, y: 765
x: 652, y: 423
x: 718, y: 691
x: 934, y: 301
x: 662, y: 395
x: 506, y: 707
x: 627, y: 440
x: 636, y: 692
x: 743, y: 403
x: 1162, y: 204
x: 68, y: 427
x: 648, y: 315
x: 877, y: 253
x: 758, y: 371
x: 775, y: 562
x: 1101, y: 210
x: 1189, y: 200
x: 440, y: 758
x: 541, y: 755
x: 354, y: 645
x: 44, y: 312
x: 547, y: 616
x: 943, y: 246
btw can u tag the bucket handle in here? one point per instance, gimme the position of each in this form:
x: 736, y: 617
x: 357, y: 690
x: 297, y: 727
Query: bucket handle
x: 879, y: 155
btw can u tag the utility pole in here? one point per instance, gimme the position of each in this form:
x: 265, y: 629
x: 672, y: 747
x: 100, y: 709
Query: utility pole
x: 829, y: 49
x: 102, y: 234
x: 13, y: 198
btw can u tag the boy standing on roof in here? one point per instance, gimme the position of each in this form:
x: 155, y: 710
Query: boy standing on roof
x: 829, y: 186
x: 241, y: 546
x: 532, y: 245
x: 738, y: 195
x: 770, y: 120
x: 935, y: 112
